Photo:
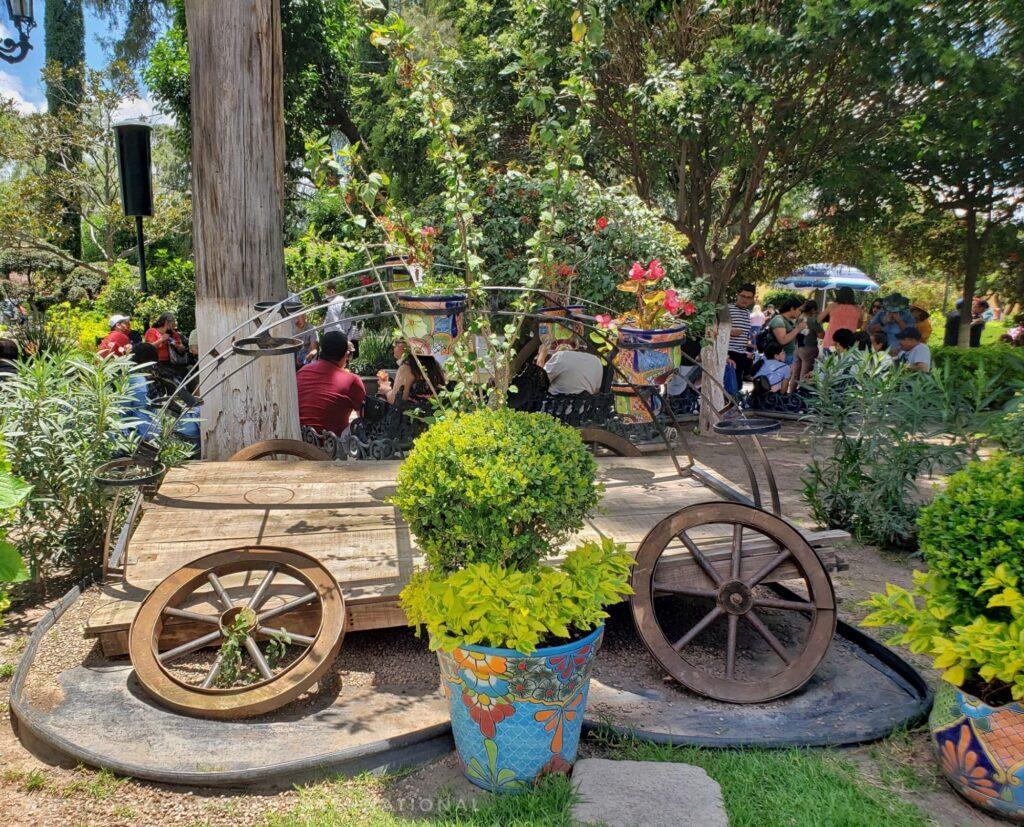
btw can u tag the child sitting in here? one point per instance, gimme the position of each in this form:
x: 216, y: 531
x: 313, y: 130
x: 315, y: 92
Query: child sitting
x: 773, y: 370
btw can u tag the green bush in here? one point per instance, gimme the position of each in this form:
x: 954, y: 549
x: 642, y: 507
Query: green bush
x: 76, y: 326
x: 61, y: 416
x: 488, y: 605
x: 172, y: 287
x: 976, y: 524
x: 1000, y: 362
x: 777, y: 297
x: 376, y: 352
x: 495, y: 486
x: 1008, y: 428
x: 13, y: 493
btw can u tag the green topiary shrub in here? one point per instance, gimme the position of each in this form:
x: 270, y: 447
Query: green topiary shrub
x: 496, y: 486
x: 1002, y: 364
x: 976, y: 524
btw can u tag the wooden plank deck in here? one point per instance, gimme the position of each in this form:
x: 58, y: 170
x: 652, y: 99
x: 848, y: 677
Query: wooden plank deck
x: 339, y: 513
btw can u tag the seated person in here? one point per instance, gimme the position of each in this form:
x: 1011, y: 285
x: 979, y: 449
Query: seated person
x: 118, y: 341
x: 880, y: 348
x: 845, y: 340
x: 417, y: 378
x: 687, y: 375
x: 329, y: 393
x: 141, y: 407
x: 572, y: 371
x: 773, y: 369
x: 913, y: 352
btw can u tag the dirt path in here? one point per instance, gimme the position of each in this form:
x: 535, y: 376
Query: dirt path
x: 35, y: 793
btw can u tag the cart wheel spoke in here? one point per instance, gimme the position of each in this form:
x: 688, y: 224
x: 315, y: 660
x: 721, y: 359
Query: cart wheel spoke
x: 211, y: 676
x: 687, y: 591
x: 737, y: 550
x: 261, y: 592
x: 706, y: 621
x: 730, y: 648
x: 284, y: 608
x: 212, y: 620
x: 221, y: 592
x: 788, y: 605
x: 305, y: 640
x: 769, y: 636
x: 702, y: 561
x: 257, y: 658
x: 191, y: 646
x: 769, y: 567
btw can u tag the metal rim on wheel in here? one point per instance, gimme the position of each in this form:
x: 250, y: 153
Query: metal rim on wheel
x: 152, y: 656
x: 731, y: 581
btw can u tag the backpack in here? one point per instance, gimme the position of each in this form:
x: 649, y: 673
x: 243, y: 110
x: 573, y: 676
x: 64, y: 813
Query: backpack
x: 764, y: 338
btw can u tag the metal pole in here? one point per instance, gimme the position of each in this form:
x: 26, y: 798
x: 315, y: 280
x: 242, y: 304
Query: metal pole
x: 142, y: 254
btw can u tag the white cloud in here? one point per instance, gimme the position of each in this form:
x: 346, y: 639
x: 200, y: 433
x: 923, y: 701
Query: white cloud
x: 12, y: 88
x: 140, y: 108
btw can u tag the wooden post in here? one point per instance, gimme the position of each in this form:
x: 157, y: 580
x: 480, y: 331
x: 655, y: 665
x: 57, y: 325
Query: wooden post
x: 235, y: 62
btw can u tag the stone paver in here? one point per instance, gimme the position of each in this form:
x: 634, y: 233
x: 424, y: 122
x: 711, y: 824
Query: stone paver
x: 648, y: 793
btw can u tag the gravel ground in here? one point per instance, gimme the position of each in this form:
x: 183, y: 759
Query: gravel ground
x: 36, y: 793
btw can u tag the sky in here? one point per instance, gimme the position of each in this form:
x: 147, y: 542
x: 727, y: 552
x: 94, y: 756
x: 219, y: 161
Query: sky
x: 22, y: 82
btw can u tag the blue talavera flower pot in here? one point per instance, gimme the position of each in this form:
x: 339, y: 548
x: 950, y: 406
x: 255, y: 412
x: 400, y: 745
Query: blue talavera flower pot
x: 516, y: 716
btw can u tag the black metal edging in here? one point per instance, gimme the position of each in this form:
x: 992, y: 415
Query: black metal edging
x: 390, y: 753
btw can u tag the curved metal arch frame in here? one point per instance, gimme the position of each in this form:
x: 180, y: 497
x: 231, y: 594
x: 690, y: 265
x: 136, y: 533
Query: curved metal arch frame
x: 284, y: 311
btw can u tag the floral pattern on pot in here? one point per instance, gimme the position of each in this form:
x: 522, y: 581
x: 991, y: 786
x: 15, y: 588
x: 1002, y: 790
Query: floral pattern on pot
x: 431, y: 324
x: 645, y: 357
x: 980, y: 749
x: 516, y: 716
x: 556, y: 336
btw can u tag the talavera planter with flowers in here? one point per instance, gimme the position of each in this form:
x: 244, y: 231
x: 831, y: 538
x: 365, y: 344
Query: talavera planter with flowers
x: 487, y: 495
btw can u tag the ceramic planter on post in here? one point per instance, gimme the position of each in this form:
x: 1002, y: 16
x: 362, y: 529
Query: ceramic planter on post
x: 431, y: 324
x: 399, y: 275
x: 555, y: 334
x: 980, y: 749
x: 645, y: 358
x: 516, y: 716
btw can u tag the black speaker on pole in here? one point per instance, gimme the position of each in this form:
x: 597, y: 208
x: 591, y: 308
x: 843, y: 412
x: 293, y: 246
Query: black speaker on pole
x: 135, y: 167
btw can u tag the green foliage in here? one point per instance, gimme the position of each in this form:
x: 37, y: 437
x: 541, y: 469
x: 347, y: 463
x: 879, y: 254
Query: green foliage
x: 13, y: 493
x: 488, y: 604
x: 77, y: 327
x: 376, y: 352
x: 495, y: 486
x: 172, y: 287
x: 61, y: 416
x: 976, y: 524
x: 312, y: 261
x: 777, y: 297
x: 1008, y: 429
x: 887, y: 427
x: 1002, y: 363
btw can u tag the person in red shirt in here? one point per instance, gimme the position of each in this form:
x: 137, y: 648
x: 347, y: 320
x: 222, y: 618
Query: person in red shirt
x: 164, y: 335
x: 328, y: 391
x: 117, y: 343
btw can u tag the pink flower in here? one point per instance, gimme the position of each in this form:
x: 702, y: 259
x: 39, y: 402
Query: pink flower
x: 366, y: 280
x: 637, y: 272
x: 654, y: 270
x: 428, y: 232
x: 600, y: 224
x: 672, y: 303
x: 604, y: 321
x: 689, y: 308
x: 564, y: 270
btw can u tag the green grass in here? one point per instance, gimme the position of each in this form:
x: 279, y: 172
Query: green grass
x: 993, y: 330
x: 795, y: 787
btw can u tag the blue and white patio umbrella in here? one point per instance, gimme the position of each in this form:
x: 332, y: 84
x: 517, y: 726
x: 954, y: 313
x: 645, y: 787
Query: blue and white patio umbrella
x: 827, y: 277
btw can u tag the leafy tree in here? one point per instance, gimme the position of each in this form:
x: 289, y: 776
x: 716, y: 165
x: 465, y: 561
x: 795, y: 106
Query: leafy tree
x: 142, y: 20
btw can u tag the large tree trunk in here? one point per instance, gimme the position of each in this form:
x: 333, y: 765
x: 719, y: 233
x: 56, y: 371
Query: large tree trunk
x: 238, y: 197
x: 713, y: 357
x: 972, y: 263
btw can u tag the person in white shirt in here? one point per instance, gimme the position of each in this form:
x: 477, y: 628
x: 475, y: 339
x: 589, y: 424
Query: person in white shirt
x: 774, y: 369
x: 572, y: 371
x: 880, y: 349
x: 913, y: 352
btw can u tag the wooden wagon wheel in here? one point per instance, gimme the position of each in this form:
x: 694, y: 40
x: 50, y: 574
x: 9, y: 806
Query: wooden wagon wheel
x: 287, y: 447
x: 730, y: 579
x: 616, y: 444
x: 246, y: 595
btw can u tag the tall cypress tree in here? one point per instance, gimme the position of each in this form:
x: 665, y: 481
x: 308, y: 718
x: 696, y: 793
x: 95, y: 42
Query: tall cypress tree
x: 64, y: 27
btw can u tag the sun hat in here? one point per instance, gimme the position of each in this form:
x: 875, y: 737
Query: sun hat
x: 895, y: 302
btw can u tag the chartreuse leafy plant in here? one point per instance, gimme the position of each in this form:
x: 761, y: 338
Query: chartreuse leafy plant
x: 13, y: 492
x: 489, y: 605
x: 967, y: 611
x: 495, y: 486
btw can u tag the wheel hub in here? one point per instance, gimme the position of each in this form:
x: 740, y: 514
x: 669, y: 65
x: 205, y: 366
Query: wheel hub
x: 735, y: 597
x: 238, y: 619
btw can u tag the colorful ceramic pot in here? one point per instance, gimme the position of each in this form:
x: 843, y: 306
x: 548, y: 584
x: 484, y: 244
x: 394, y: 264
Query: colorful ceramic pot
x: 516, y: 716
x: 558, y: 335
x: 399, y: 275
x: 645, y: 357
x: 980, y: 749
x: 431, y: 324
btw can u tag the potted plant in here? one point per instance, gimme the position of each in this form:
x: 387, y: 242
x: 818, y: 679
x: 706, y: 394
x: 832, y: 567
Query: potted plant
x: 649, y: 337
x: 967, y: 612
x: 488, y: 495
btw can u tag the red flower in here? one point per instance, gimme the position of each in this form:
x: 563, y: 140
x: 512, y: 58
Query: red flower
x: 428, y: 232
x: 600, y: 224
x: 689, y: 308
x: 604, y: 320
x: 637, y: 272
x: 672, y: 303
x: 654, y: 270
x: 366, y: 280
x: 487, y: 712
x: 564, y: 270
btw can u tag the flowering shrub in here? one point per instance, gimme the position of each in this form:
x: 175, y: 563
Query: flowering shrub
x: 656, y: 306
x: 76, y: 326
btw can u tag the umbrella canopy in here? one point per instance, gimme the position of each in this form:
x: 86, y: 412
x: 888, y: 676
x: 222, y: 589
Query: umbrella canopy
x: 827, y: 277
